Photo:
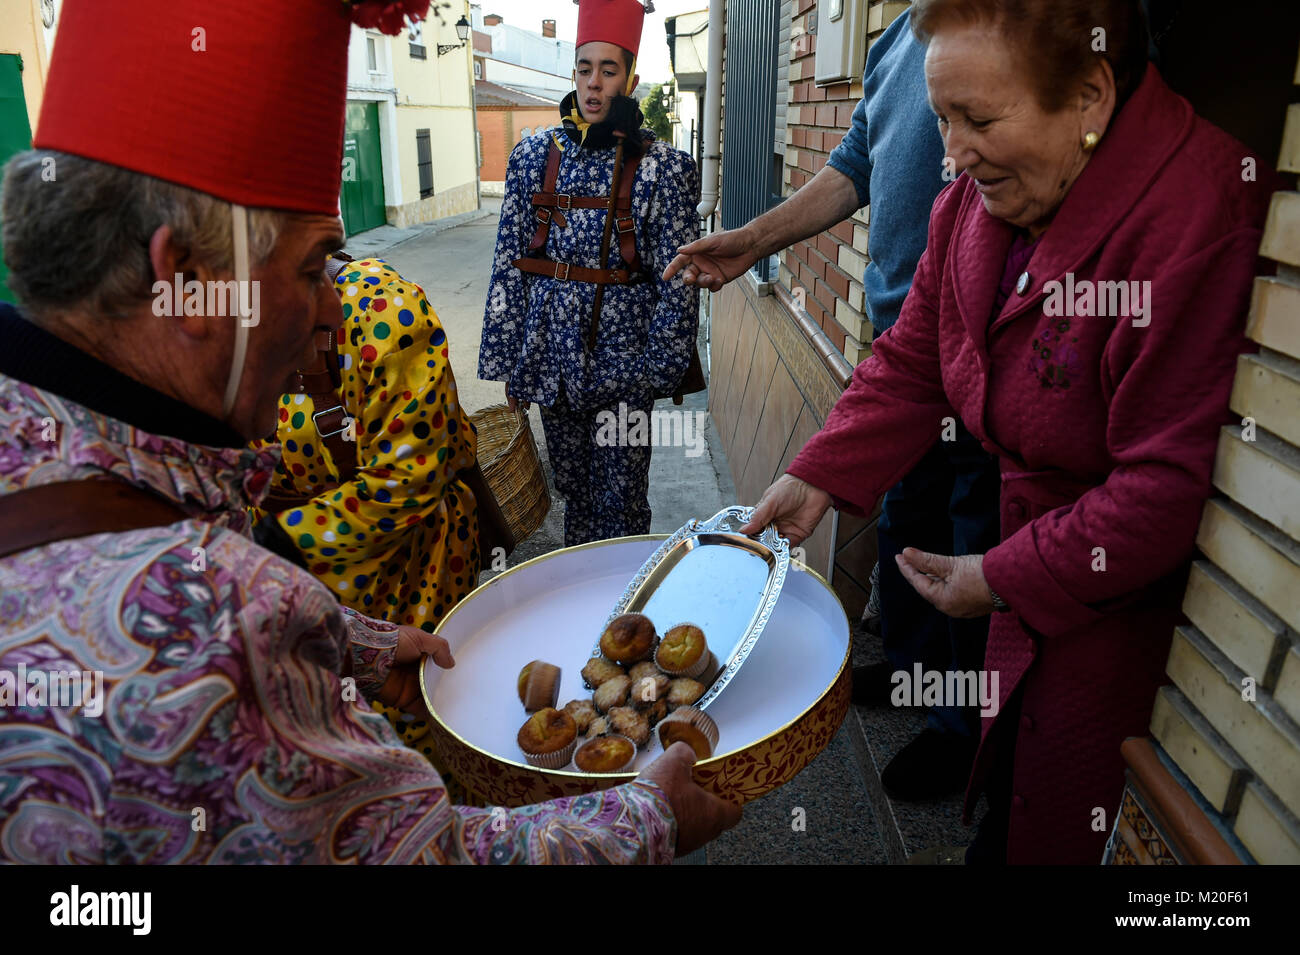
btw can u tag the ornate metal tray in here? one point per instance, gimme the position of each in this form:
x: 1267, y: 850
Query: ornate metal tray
x: 774, y: 718
x: 680, y: 584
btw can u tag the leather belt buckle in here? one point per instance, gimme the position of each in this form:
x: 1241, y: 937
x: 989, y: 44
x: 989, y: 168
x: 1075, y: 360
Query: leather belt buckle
x: 562, y: 271
x: 630, y: 224
x: 563, y: 201
x: 315, y: 419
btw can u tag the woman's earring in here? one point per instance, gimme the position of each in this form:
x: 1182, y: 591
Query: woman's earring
x: 1090, y: 140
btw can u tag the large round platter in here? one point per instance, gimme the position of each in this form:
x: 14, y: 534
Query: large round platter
x: 776, y: 716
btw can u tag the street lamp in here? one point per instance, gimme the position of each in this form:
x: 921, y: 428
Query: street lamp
x: 462, y: 31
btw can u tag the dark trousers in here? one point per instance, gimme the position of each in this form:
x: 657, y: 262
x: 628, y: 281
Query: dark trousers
x: 947, y: 504
x: 605, y: 485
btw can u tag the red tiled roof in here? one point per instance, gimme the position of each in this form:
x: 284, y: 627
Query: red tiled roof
x: 487, y: 93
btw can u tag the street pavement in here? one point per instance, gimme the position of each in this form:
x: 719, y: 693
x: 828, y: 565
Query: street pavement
x: 831, y: 812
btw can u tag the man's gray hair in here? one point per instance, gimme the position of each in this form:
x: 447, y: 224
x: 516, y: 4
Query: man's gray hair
x: 76, y: 232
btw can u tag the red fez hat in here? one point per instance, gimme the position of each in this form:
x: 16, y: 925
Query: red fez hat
x: 611, y: 21
x: 241, y: 99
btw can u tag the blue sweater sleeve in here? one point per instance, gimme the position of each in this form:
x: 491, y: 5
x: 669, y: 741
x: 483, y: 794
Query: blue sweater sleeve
x: 852, y: 156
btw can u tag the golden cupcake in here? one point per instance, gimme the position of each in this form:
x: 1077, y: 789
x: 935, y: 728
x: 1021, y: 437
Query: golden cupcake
x: 631, y: 723
x: 548, y: 738
x: 683, y: 652
x: 606, y: 754
x: 612, y: 693
x: 583, y: 712
x: 691, y: 726
x: 648, y: 690
x: 683, y: 692
x: 538, y: 685
x: 598, y: 670
x: 629, y: 638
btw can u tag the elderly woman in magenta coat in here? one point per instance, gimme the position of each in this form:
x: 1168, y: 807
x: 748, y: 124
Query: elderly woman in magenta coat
x: 1078, y: 166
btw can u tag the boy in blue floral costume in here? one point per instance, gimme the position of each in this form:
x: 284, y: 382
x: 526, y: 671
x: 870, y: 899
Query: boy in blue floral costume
x: 577, y: 333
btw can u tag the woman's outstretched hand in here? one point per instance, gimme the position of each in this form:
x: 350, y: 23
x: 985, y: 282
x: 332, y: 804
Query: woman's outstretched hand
x: 955, y: 585
x: 794, y: 505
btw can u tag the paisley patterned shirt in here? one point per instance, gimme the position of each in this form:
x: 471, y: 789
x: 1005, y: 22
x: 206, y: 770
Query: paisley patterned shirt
x: 535, y: 328
x: 227, y: 729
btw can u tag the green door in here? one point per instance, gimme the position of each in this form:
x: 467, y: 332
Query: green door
x: 362, y: 200
x: 15, y: 131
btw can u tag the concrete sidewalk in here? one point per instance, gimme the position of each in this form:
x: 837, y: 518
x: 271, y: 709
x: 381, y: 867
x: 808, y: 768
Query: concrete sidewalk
x: 846, y: 816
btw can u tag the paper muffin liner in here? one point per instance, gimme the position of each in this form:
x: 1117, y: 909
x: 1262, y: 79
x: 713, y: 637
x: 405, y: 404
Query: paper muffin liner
x: 631, y: 759
x: 556, y: 759
x: 696, y: 668
x: 694, y: 718
x: 533, y: 692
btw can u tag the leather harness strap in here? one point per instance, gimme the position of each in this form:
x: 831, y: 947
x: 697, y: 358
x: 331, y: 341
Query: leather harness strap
x: 576, y: 273
x: 36, y: 516
x: 551, y: 206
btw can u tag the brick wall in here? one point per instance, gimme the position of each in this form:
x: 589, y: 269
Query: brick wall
x: 1231, y: 719
x: 500, y: 129
x: 825, y: 272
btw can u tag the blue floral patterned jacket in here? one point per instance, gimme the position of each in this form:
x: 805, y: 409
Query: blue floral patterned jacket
x: 535, y: 328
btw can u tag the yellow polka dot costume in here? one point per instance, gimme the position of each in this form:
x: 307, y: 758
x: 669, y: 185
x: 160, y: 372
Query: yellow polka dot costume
x: 399, y: 540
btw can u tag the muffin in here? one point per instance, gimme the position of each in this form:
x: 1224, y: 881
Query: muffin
x: 689, y: 725
x: 598, y: 670
x: 639, y: 671
x: 648, y: 690
x: 599, y: 727
x: 582, y: 711
x: 612, y: 693
x: 628, y: 722
x: 538, y: 685
x: 629, y: 638
x: 605, y: 754
x: 683, y: 692
x: 548, y: 738
x: 655, y: 711
x: 683, y: 652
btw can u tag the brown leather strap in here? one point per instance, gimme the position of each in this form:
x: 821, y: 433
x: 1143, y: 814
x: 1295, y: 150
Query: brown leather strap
x: 605, y: 235
x: 36, y: 516
x: 562, y: 200
x: 564, y: 272
x: 493, y: 528
x: 321, y: 382
x: 624, y: 221
x: 544, y: 216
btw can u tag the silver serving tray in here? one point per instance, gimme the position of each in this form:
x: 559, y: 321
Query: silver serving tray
x: 716, y: 578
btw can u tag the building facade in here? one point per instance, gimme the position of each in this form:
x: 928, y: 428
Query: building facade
x: 410, y: 147
x: 27, y: 31
x: 505, y: 116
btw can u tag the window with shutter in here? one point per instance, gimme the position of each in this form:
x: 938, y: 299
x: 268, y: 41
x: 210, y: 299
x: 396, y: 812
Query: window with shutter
x: 424, y: 162
x: 752, y: 178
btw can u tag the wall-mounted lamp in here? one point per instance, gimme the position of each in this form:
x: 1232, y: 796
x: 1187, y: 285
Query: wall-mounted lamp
x: 462, y: 31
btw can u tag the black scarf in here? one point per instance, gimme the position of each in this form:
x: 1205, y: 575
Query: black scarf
x: 622, y: 125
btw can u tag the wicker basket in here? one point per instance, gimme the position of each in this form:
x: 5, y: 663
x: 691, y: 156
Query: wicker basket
x: 508, y: 456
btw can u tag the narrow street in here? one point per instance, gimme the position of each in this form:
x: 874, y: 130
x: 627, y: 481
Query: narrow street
x: 839, y: 823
